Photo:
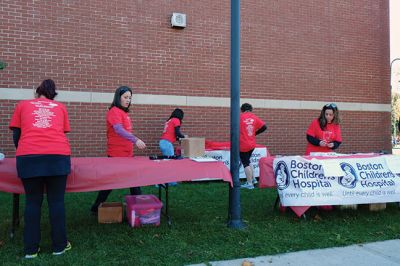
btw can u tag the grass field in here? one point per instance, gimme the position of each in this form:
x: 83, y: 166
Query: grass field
x: 198, y: 232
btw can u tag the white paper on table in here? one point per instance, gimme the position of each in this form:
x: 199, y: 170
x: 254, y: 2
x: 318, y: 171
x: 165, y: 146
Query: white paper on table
x: 393, y: 162
x: 329, y: 154
x: 203, y: 159
x: 331, y: 167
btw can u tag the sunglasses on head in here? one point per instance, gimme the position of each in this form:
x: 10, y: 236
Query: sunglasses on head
x: 331, y: 105
x: 122, y: 91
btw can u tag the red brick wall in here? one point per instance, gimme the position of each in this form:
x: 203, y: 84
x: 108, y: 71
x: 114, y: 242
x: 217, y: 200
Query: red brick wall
x: 362, y: 131
x: 329, y: 51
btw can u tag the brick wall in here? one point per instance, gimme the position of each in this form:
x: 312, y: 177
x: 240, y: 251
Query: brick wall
x: 285, y: 134
x: 328, y: 51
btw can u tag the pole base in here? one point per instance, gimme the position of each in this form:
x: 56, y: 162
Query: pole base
x: 236, y: 224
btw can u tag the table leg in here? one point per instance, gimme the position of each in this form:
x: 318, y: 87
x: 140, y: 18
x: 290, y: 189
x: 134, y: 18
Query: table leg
x: 276, y: 204
x: 15, y: 215
x: 165, y: 211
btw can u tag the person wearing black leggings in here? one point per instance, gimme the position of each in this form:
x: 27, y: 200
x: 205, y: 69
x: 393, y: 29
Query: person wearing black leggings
x: 120, y: 139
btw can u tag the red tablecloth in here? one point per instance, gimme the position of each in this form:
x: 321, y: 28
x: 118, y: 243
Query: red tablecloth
x: 267, y: 177
x: 99, y: 173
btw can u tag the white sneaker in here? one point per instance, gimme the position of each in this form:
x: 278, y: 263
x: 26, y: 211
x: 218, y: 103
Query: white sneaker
x: 67, y: 248
x: 247, y: 185
x: 254, y: 181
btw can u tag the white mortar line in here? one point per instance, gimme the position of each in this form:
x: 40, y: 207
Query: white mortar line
x: 155, y: 99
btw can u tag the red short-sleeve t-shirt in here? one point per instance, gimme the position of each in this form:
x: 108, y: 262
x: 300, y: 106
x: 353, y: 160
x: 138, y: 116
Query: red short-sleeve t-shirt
x: 249, y: 124
x: 118, y: 146
x: 43, y: 123
x: 169, y: 129
x: 329, y: 134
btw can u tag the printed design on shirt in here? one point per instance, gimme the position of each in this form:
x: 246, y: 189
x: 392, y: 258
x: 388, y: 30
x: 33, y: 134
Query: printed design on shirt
x: 43, y: 115
x: 166, y: 126
x: 249, y: 126
x: 327, y: 136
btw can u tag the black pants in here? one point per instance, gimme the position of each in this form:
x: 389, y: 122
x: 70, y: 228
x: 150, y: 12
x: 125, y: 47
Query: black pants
x: 103, y: 195
x: 245, y: 157
x: 34, y: 189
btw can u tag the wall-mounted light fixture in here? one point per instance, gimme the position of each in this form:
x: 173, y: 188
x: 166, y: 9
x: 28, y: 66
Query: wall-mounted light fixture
x: 178, y: 20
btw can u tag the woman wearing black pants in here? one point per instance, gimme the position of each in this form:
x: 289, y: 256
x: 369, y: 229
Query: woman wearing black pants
x: 120, y: 139
x: 43, y: 162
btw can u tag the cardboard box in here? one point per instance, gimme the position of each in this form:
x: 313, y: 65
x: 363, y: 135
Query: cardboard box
x: 143, y: 210
x: 348, y: 207
x: 377, y: 206
x: 192, y: 147
x: 110, y: 212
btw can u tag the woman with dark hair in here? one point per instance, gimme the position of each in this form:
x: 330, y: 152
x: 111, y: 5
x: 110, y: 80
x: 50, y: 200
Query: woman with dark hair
x: 43, y: 162
x: 250, y: 126
x: 171, y: 132
x: 323, y: 134
x: 120, y: 139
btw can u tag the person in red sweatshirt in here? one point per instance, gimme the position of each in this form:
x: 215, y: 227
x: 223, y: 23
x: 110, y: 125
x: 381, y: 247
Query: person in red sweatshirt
x: 171, y: 132
x: 323, y: 134
x: 250, y: 126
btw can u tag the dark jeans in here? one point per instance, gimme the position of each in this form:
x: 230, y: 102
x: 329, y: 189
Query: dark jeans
x: 34, y: 189
x: 103, y: 195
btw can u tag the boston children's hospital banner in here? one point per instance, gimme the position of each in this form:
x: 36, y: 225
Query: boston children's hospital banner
x: 337, y: 181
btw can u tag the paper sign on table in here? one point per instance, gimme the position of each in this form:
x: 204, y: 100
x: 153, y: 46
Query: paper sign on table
x: 331, y: 167
x: 393, y: 162
x: 203, y: 159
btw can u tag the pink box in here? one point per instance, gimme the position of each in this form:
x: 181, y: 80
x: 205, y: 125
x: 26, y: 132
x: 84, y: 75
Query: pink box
x: 143, y: 209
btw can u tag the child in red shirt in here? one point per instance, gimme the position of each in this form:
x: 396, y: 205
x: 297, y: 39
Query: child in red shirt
x: 171, y: 133
x: 250, y: 126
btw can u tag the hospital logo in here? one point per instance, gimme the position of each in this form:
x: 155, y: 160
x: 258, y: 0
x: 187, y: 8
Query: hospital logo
x: 282, y: 175
x: 349, y: 179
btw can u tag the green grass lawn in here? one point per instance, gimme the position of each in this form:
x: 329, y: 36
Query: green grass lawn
x: 198, y: 232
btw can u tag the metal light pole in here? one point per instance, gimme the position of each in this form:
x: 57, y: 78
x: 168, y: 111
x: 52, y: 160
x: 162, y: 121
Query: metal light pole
x: 391, y: 91
x: 234, y: 219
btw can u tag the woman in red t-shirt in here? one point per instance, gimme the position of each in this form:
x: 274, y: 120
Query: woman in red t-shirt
x: 43, y: 161
x: 323, y: 134
x: 120, y: 139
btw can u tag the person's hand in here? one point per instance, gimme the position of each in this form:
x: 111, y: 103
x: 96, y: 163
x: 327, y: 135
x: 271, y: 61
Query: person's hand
x: 330, y: 145
x: 186, y: 136
x: 140, y: 144
x: 322, y: 143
